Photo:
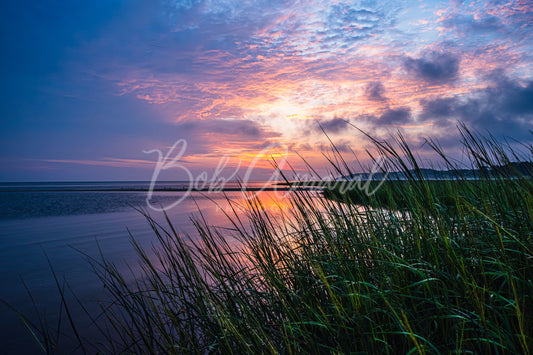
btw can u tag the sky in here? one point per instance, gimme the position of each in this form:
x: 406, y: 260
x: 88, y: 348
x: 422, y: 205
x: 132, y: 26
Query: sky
x: 99, y: 90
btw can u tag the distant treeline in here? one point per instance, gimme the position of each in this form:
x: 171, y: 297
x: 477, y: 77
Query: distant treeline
x: 510, y: 169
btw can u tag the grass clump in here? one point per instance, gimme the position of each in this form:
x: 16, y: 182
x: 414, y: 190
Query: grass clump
x: 418, y: 267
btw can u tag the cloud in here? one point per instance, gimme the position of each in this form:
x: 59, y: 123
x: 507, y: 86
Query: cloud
x: 334, y: 125
x: 375, y: 91
x: 229, y: 75
x: 511, y: 96
x: 438, y: 108
x: 504, y: 108
x: 466, y: 23
x: 237, y: 128
x: 181, y: 4
x: 319, y: 29
x: 340, y: 146
x: 434, y: 67
x: 397, y: 116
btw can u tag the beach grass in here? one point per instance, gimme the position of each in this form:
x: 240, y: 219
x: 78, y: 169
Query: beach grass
x: 417, y: 267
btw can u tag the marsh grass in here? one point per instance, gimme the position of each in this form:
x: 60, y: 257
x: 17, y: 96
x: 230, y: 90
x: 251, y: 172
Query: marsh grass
x: 418, y: 267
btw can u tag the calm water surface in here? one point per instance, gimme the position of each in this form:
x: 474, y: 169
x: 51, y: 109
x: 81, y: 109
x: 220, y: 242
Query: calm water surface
x: 58, y: 220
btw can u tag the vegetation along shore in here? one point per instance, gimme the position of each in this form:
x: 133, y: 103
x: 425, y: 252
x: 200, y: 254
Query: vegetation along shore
x: 419, y: 266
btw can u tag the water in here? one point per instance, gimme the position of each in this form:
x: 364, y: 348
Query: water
x: 29, y: 200
x: 55, y: 221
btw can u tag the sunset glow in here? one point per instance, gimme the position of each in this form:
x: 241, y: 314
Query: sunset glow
x: 89, y: 86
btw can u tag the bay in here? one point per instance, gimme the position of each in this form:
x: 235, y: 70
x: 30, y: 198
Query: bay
x: 45, y: 225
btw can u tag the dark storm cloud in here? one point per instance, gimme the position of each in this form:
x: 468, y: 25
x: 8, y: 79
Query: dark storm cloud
x: 375, y: 91
x: 434, y: 67
x: 505, y: 107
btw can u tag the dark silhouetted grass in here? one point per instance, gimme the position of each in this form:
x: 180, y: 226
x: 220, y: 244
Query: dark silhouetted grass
x: 418, y: 267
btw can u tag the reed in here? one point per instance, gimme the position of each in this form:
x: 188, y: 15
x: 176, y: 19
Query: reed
x: 418, y: 267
